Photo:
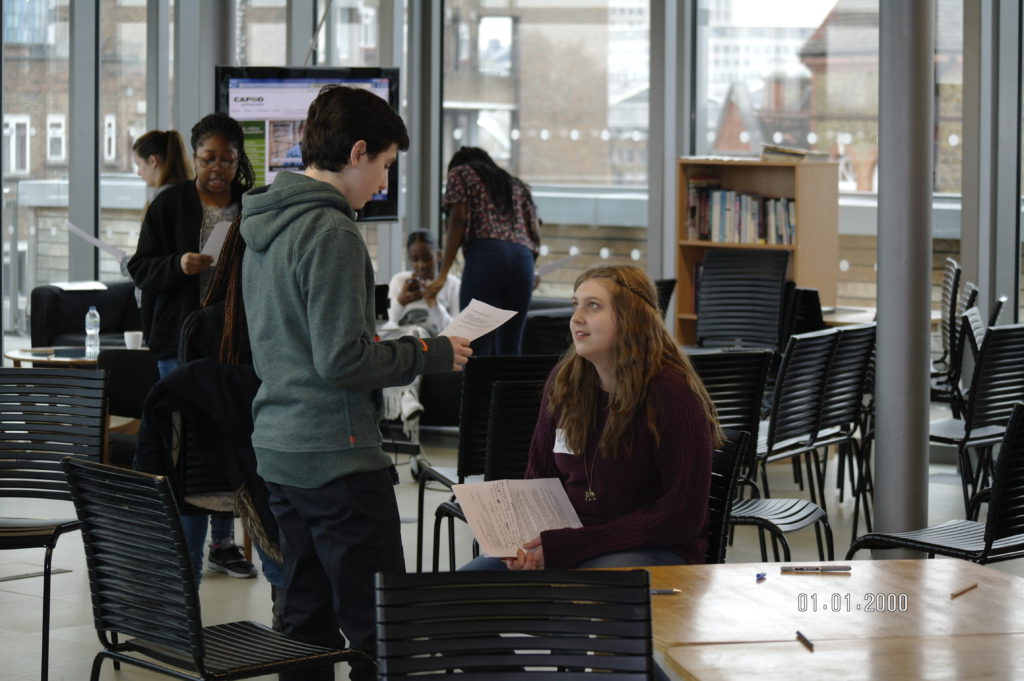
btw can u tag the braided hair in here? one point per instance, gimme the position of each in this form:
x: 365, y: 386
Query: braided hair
x: 226, y: 287
x: 228, y: 128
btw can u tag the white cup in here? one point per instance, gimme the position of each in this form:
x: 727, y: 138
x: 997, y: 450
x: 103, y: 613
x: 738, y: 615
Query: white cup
x: 133, y: 340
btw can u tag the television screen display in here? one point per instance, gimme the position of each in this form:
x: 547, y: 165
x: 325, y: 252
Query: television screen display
x: 271, y: 104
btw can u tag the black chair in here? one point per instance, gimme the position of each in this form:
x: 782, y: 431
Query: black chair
x: 726, y: 462
x: 950, y: 290
x: 480, y: 373
x: 739, y: 302
x: 997, y: 384
x: 842, y: 421
x: 944, y: 385
x: 735, y: 381
x: 46, y: 415
x: 997, y: 308
x: 525, y: 624
x: 1000, y: 537
x: 141, y: 581
x: 130, y: 376
x: 796, y: 408
x: 514, y: 408
x: 58, y: 316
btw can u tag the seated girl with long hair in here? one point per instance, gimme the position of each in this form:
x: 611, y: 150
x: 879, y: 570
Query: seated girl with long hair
x: 628, y: 428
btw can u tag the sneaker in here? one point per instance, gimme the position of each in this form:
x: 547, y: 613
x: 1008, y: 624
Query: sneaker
x: 411, y: 406
x: 229, y: 560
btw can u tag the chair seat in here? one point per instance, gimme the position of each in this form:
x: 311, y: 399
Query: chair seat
x: 951, y: 431
x: 246, y: 647
x: 788, y: 514
x: 27, y: 533
x: 957, y: 538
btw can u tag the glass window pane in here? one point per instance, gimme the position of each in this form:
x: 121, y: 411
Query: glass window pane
x: 351, y: 34
x: 557, y: 93
x: 805, y: 74
x: 260, y: 30
x: 35, y: 45
x: 122, y: 109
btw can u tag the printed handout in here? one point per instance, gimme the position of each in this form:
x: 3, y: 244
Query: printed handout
x: 504, y: 514
x: 476, y: 319
x: 114, y: 251
x: 215, y: 241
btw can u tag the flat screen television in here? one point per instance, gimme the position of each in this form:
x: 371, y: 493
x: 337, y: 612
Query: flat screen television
x: 271, y: 103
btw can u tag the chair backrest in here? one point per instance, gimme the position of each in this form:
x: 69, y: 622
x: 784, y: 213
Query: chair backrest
x: 140, y: 575
x: 562, y: 621
x: 799, y: 388
x: 46, y: 415
x: 515, y: 406
x: 1006, y: 505
x: 735, y: 382
x: 740, y: 298
x: 130, y: 376
x: 726, y: 462
x: 997, y: 309
x: 998, y: 380
x: 950, y: 290
x: 479, y: 375
x: 971, y: 335
x: 847, y: 377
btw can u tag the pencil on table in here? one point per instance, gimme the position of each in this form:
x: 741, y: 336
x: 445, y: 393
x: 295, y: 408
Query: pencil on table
x: 962, y: 591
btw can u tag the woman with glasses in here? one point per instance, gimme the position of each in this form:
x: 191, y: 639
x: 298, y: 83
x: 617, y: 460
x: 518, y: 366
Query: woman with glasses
x: 174, y: 274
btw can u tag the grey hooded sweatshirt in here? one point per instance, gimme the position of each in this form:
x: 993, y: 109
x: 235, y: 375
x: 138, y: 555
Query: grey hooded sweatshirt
x: 308, y: 286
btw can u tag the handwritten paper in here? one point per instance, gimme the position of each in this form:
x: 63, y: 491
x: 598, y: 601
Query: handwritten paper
x: 114, y: 251
x: 504, y: 514
x: 215, y: 241
x: 476, y: 319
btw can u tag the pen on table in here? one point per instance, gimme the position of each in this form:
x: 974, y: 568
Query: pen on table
x: 796, y: 569
x: 806, y: 641
x: 962, y: 591
x: 665, y: 592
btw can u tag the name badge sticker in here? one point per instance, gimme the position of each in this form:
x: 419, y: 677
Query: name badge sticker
x: 561, y: 446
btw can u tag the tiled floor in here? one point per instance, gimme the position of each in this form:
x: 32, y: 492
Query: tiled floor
x: 74, y: 642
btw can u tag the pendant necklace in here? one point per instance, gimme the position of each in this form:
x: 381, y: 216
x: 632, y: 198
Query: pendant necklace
x: 589, y: 494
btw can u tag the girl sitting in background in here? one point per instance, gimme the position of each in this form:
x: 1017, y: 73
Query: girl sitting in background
x: 411, y: 300
x: 628, y: 428
x: 416, y: 310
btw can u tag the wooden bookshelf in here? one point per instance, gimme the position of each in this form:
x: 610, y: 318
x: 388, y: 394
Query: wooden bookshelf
x: 814, y: 188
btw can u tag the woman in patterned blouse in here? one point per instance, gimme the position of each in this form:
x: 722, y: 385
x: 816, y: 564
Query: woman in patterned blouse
x: 491, y: 215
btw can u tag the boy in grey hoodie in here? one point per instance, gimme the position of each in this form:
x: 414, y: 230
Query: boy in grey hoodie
x: 308, y: 285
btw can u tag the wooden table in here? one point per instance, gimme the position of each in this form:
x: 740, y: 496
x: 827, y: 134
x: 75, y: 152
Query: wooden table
x: 847, y: 316
x: 60, y: 356
x: 758, y: 621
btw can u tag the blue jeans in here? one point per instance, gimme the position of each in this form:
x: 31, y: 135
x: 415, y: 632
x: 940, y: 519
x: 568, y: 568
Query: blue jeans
x: 222, y: 527
x: 499, y: 273
x: 638, y: 558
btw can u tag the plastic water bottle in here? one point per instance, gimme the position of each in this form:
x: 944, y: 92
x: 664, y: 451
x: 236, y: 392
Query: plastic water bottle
x: 92, y: 332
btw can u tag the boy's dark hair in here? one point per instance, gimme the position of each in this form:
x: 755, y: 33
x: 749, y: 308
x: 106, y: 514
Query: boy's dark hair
x: 420, y: 235
x: 341, y: 116
x: 228, y: 128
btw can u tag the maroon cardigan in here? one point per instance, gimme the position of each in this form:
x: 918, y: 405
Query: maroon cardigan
x: 655, y: 498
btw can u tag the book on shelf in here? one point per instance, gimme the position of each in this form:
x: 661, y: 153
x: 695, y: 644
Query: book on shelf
x: 724, y: 215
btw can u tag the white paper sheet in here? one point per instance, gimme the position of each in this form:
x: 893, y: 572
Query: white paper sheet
x: 216, y: 240
x: 476, y: 319
x: 550, y: 267
x: 116, y: 252
x: 504, y: 514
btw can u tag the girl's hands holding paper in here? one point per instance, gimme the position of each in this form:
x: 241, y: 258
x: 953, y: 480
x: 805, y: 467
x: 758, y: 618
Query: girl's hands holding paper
x: 530, y: 557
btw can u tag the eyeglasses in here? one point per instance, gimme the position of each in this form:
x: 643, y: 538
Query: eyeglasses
x: 225, y: 163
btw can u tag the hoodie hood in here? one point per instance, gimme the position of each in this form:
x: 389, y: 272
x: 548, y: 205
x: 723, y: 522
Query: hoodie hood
x: 269, y: 210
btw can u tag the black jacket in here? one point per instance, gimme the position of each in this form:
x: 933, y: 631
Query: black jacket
x: 170, y: 229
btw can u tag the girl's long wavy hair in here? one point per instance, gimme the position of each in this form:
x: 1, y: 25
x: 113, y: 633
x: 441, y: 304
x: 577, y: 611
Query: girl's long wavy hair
x: 643, y: 347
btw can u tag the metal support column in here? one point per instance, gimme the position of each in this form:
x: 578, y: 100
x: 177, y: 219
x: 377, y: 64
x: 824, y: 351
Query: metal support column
x: 83, y: 136
x: 906, y: 100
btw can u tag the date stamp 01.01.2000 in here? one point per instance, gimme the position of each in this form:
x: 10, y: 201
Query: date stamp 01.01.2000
x: 845, y: 602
